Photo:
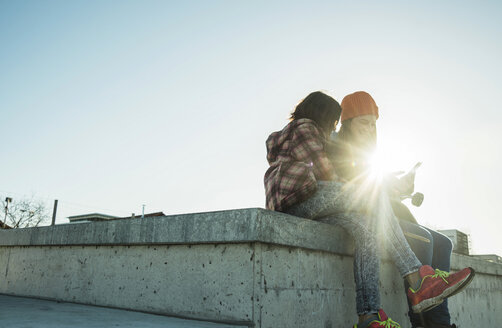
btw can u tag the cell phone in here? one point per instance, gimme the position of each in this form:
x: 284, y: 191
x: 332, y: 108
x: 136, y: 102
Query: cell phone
x: 414, y: 169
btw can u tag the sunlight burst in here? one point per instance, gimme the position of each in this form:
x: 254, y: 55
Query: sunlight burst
x: 378, y: 166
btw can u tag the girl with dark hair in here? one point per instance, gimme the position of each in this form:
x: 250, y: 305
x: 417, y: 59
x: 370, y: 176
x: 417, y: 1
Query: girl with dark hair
x: 296, y: 153
x: 303, y: 181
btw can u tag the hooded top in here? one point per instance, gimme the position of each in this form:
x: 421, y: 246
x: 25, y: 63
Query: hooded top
x: 298, y: 160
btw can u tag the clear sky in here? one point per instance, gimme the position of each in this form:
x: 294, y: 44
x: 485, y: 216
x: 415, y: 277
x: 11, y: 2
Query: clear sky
x: 108, y: 105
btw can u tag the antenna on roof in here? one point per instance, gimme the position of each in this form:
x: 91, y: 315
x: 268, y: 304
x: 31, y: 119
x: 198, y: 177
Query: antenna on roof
x: 143, y: 212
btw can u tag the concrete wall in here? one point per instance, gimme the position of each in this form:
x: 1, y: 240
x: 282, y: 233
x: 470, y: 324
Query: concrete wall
x: 248, y: 266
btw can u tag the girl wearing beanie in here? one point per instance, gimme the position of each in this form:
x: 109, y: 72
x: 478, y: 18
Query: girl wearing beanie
x: 312, y: 178
x: 351, y: 158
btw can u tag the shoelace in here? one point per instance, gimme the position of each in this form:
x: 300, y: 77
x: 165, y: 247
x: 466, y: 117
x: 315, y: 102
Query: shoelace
x: 438, y: 274
x: 389, y: 323
x: 441, y: 274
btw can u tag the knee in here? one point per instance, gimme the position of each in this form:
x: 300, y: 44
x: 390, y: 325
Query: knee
x: 443, y: 242
x: 427, y: 235
x: 416, y: 234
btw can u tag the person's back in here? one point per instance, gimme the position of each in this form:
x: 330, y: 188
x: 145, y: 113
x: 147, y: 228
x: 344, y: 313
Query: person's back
x: 296, y: 153
x: 291, y: 154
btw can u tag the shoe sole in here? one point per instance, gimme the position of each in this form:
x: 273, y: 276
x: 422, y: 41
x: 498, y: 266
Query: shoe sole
x: 465, y: 282
x: 431, y: 303
x: 428, y: 304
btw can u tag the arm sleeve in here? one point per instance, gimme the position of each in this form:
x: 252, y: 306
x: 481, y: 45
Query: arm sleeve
x: 309, y: 148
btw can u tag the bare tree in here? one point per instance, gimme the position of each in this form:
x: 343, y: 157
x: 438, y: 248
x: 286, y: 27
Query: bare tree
x: 24, y: 213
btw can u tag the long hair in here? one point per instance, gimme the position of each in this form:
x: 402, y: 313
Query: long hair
x: 345, y: 135
x: 350, y: 157
x: 320, y: 108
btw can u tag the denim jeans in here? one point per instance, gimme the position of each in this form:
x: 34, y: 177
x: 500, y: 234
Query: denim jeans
x: 374, y: 229
x: 434, y: 249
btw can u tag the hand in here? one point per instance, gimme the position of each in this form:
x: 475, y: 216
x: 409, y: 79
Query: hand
x: 407, y: 183
x: 392, y: 184
x: 400, y: 186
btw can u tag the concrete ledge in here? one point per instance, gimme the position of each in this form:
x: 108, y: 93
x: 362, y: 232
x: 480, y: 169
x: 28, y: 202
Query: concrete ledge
x: 251, y: 267
x: 232, y: 226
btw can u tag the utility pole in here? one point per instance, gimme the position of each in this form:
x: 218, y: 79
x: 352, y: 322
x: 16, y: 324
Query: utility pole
x: 143, y: 212
x: 54, y: 212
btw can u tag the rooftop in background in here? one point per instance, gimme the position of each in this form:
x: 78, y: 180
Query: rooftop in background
x: 460, y: 241
x: 92, y: 217
x: 489, y: 257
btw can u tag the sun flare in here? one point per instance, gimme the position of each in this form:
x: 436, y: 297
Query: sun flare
x: 378, y: 165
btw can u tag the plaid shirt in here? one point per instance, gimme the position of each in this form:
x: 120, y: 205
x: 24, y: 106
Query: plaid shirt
x: 297, y: 161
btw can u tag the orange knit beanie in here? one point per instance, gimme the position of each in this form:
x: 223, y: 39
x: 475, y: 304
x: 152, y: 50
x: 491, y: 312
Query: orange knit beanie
x: 357, y: 104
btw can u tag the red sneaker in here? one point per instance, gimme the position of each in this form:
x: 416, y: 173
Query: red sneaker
x: 383, y: 321
x: 436, y: 286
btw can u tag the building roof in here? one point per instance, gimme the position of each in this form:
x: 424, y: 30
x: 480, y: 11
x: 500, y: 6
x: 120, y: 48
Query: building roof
x: 149, y: 215
x: 104, y: 217
x: 92, y: 217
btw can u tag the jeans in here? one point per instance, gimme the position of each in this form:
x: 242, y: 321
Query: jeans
x: 431, y: 248
x: 373, y: 229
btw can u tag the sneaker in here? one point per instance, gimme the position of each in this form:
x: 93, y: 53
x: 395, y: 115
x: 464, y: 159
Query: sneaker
x: 383, y: 321
x: 436, y: 286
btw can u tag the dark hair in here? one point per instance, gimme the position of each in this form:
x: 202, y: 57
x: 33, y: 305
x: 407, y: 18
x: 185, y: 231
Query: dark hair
x: 320, y: 108
x: 344, y: 133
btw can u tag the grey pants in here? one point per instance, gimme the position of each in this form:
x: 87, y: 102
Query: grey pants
x: 366, y: 214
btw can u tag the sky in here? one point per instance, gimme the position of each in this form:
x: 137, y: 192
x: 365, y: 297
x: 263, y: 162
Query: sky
x: 111, y: 105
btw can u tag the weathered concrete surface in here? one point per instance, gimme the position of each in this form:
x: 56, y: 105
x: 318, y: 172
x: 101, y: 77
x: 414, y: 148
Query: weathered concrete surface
x: 481, y: 303
x: 179, y: 280
x: 233, y: 226
x: 250, y: 266
x: 21, y: 312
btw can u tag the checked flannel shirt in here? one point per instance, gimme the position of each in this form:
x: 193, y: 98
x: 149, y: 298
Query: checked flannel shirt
x: 298, y: 160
